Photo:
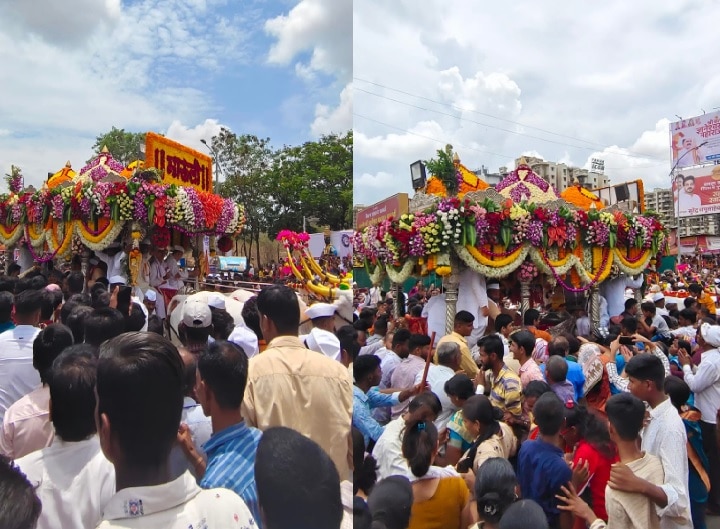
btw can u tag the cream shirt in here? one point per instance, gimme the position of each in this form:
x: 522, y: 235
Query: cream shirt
x: 292, y: 386
x: 626, y: 509
x: 26, y: 426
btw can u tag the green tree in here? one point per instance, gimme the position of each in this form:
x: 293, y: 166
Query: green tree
x: 244, y: 162
x: 314, y: 181
x: 125, y: 147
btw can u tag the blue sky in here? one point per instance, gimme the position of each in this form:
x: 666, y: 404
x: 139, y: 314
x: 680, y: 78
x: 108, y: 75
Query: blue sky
x: 277, y: 69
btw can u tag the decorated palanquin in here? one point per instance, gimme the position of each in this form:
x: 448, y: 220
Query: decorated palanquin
x: 106, y: 201
x: 522, y: 229
x: 312, y: 276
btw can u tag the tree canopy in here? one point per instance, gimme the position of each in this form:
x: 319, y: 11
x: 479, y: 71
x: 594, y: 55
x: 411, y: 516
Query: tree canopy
x: 125, y: 147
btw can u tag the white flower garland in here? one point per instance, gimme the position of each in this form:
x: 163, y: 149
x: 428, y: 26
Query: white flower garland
x: 489, y: 271
x: 40, y: 241
x: 59, y: 237
x: 376, y: 274
x: 631, y: 271
x: 15, y: 237
x: 106, y: 241
x: 404, y: 273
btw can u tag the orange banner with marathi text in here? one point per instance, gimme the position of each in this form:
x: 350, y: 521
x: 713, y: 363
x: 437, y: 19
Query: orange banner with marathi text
x: 180, y: 165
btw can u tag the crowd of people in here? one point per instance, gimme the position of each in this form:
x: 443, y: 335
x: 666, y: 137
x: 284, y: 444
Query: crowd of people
x: 538, y: 425
x: 106, y: 423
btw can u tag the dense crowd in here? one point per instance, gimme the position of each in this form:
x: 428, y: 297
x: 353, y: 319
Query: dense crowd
x: 537, y: 420
x: 106, y: 423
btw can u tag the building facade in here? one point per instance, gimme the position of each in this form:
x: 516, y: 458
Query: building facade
x: 661, y: 201
x: 562, y: 176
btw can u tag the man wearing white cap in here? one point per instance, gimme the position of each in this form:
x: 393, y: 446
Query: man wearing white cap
x: 322, y: 337
x: 659, y: 300
x: 195, y: 325
x: 113, y: 257
x: 142, y: 282
x: 150, y: 301
x: 158, y: 275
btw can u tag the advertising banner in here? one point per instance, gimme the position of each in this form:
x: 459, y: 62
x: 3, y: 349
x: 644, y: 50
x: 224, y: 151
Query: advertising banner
x: 697, y: 191
x: 341, y: 241
x: 695, y: 141
x: 180, y: 165
x: 394, y: 206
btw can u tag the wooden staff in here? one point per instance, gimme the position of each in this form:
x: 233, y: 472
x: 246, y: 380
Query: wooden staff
x: 427, y: 361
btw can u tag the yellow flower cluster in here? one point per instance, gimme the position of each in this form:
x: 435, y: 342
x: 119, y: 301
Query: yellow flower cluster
x: 608, y: 218
x: 517, y: 212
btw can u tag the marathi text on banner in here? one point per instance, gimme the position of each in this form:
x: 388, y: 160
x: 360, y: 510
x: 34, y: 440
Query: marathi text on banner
x: 180, y: 165
x: 695, y: 141
x: 697, y: 191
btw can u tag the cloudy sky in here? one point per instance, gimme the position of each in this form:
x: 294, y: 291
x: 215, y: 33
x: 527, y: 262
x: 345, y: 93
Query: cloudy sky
x: 71, y: 70
x: 564, y: 80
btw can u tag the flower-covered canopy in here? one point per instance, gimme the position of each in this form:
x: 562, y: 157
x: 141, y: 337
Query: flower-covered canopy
x: 521, y: 221
x: 96, y: 204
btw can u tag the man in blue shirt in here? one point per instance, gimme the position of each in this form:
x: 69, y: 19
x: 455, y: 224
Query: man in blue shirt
x: 222, y: 378
x: 367, y: 395
x: 559, y: 346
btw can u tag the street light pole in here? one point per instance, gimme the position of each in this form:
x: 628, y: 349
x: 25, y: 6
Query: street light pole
x: 215, y: 160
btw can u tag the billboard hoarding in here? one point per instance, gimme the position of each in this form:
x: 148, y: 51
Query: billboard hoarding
x: 180, y: 165
x: 695, y: 141
x: 394, y: 206
x: 697, y: 191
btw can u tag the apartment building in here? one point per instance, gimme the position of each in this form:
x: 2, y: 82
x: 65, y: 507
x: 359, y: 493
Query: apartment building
x: 661, y: 201
x: 562, y: 176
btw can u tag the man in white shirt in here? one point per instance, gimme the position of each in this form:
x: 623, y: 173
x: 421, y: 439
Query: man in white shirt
x: 659, y: 300
x: 664, y: 436
x: 686, y: 321
x: 448, y: 364
x: 18, y: 377
x: 140, y: 398
x: 687, y: 197
x: 388, y: 448
x: 176, y: 275
x: 193, y: 416
x: 113, y: 257
x: 614, y: 292
x: 158, y: 275
x: 74, y: 479
x: 322, y: 336
x: 704, y: 382
x: 26, y: 426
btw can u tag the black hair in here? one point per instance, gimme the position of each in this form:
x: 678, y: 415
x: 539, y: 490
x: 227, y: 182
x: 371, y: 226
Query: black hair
x: 20, y: 506
x: 648, y: 306
x: 14, y: 267
x: 626, y: 413
x: 37, y: 281
x: 630, y: 303
x: 678, y: 391
x: 280, y: 304
x: 415, y: 310
x: 524, y: 339
x: 365, y: 365
x: 223, y: 366
x: 495, y: 489
x: 155, y: 325
x: 102, y: 281
x: 284, y: 460
x: 103, y: 324
x: 460, y: 386
x: 82, y: 299
x: 689, y: 302
x: 140, y: 389
x: 523, y: 514
x: 28, y: 302
x: 195, y: 335
x: 6, y: 306
x: 558, y: 346
x: 189, y: 371
x: 50, y: 301
x: 362, y: 325
x: 647, y: 367
x: 368, y: 314
x: 531, y: 316
x: 492, y: 344
x: 689, y: 315
x: 390, y: 503
x: 7, y: 284
x: 222, y: 322
x: 418, y: 444
x: 47, y: 346
x: 348, y: 337
x: 478, y: 408
x: 381, y: 324
x: 573, y: 344
x: 426, y: 398
x: 75, y: 320
x: 418, y: 340
x: 400, y: 336
x: 364, y: 465
x: 556, y: 369
x: 685, y: 345
x: 463, y: 316
x: 536, y: 388
x: 548, y: 413
x: 591, y: 428
x: 362, y: 519
x: 629, y: 324
x: 22, y: 284
x: 502, y: 320
x: 695, y: 288
x: 72, y: 392
x: 135, y: 321
x: 75, y: 283
x: 251, y: 316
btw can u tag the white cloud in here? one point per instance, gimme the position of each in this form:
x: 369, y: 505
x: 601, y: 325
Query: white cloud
x: 334, y: 120
x: 192, y: 136
x: 567, y: 80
